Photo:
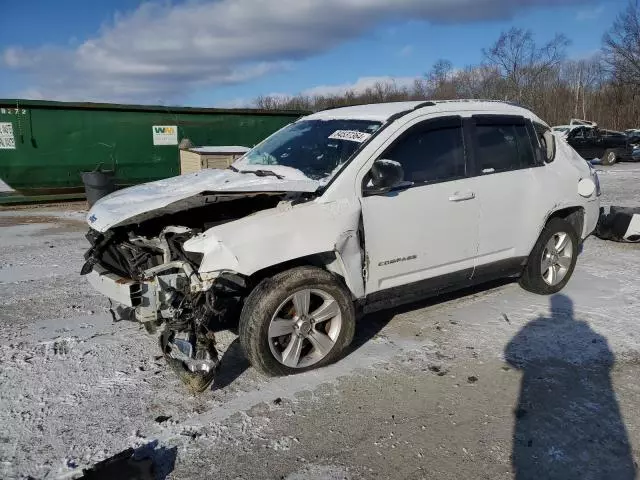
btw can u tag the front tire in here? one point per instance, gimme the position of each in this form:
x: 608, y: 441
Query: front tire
x: 297, y: 320
x: 552, y: 260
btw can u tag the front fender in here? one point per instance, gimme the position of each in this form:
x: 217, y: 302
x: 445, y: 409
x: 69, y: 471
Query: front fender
x: 284, y: 233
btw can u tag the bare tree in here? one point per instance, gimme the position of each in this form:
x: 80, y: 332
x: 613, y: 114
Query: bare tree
x: 479, y: 81
x: 583, y: 77
x: 621, y: 46
x: 521, y: 61
x: 515, y: 68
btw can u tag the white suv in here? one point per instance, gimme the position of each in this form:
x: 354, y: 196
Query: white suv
x: 346, y: 210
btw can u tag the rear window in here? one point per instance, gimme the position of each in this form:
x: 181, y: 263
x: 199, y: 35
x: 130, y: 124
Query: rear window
x: 504, y: 147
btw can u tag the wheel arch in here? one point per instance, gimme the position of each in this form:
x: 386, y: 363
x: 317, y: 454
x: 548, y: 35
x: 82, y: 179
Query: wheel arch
x: 574, y: 215
x: 542, y: 260
x: 331, y: 261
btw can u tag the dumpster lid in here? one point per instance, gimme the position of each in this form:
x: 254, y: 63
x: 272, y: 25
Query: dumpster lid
x: 220, y: 149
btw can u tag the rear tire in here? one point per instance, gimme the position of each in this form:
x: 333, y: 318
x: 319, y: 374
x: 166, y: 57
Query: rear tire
x: 552, y: 260
x: 295, y: 321
x: 610, y: 157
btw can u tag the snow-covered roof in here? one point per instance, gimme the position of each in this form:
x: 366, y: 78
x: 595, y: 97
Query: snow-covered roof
x: 585, y: 123
x: 383, y: 111
x: 220, y: 149
x: 376, y: 111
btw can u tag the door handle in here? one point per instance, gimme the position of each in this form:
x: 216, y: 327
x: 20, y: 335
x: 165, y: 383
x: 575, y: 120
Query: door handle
x: 461, y: 197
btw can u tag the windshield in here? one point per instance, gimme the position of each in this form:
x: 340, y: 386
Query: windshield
x: 317, y: 148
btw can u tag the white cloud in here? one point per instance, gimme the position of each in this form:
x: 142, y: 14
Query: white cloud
x: 359, y: 86
x: 406, y: 51
x: 590, y: 13
x: 237, y: 102
x: 160, y: 51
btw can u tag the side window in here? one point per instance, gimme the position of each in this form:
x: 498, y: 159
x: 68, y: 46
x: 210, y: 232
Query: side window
x: 577, y: 133
x: 503, y: 147
x: 430, y: 153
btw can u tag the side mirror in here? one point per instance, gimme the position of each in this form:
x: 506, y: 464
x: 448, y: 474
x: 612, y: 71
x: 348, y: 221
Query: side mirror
x: 384, y: 176
x: 550, y: 146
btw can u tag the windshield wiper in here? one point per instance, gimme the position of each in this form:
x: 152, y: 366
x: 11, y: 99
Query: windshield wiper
x: 259, y: 173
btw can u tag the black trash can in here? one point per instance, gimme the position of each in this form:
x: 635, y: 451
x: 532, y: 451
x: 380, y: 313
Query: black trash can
x: 98, y: 184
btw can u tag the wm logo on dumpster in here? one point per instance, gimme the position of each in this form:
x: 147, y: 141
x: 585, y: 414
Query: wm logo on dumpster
x: 165, y: 134
x: 163, y: 130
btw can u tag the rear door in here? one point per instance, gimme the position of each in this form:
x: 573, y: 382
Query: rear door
x: 508, y: 180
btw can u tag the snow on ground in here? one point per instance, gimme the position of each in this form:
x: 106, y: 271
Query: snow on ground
x: 479, y: 384
x: 4, y: 187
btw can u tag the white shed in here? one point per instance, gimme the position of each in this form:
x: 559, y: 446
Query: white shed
x: 198, y: 158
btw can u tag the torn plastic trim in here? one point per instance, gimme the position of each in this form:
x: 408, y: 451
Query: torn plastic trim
x: 208, y: 243
x: 160, y: 242
x: 349, y: 258
x: 191, y: 356
x: 197, y: 283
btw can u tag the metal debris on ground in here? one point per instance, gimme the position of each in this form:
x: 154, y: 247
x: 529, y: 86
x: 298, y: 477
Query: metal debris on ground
x: 620, y: 224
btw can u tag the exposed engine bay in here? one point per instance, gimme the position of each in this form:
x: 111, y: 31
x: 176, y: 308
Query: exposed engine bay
x: 165, y: 292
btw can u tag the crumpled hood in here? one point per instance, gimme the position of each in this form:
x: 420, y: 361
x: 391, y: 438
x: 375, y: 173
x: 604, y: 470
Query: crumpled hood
x: 177, y: 193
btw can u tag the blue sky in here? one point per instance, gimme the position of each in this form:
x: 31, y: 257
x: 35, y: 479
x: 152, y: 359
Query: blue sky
x: 228, y: 52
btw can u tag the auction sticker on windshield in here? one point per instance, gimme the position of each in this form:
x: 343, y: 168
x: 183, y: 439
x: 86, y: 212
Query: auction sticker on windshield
x: 350, y: 135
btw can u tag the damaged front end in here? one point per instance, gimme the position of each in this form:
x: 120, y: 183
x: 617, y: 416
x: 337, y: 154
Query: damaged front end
x: 144, y: 269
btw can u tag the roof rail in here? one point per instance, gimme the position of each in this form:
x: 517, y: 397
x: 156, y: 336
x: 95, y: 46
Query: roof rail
x: 433, y: 103
x: 487, y: 100
x: 401, y: 114
x: 340, y: 106
x: 428, y: 103
x: 423, y: 104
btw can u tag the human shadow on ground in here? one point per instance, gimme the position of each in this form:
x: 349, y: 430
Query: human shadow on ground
x: 568, y: 423
x: 147, y: 462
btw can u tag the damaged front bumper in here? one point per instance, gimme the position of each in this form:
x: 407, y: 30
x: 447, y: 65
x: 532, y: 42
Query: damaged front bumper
x: 150, y: 299
x: 122, y: 290
x: 155, y: 282
x: 168, y: 295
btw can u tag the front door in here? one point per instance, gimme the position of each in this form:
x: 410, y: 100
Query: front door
x: 425, y: 234
x: 587, y: 142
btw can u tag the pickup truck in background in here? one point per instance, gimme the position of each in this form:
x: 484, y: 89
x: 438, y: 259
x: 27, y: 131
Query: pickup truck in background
x: 609, y: 146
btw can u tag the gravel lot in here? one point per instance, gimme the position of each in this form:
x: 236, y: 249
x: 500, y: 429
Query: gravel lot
x: 492, y: 383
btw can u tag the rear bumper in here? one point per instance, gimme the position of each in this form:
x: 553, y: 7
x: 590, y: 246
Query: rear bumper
x: 625, y: 154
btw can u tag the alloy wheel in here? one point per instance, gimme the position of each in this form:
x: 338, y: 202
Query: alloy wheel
x: 556, y: 258
x: 304, y: 328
